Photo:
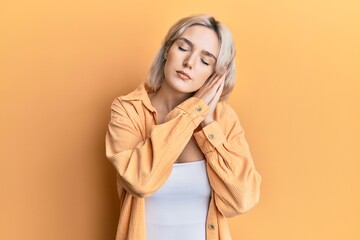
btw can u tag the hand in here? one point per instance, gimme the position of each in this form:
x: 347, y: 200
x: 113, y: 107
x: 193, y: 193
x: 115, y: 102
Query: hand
x: 210, y: 93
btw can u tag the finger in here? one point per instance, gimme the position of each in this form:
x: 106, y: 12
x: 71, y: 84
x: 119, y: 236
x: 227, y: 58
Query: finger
x: 217, y: 75
x: 219, y: 81
x: 222, y: 86
x: 216, y: 90
x: 210, y: 88
x: 213, y: 102
x: 224, y: 74
x: 213, y: 80
x: 220, y: 90
x: 220, y: 77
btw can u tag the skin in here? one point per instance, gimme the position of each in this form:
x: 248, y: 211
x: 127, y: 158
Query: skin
x: 190, y: 71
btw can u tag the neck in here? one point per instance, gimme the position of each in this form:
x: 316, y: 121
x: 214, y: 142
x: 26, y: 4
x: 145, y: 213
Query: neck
x: 166, y: 99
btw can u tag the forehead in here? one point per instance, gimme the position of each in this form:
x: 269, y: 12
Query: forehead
x: 203, y: 38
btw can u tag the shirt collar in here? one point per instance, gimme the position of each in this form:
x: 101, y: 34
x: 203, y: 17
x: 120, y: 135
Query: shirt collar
x: 140, y: 94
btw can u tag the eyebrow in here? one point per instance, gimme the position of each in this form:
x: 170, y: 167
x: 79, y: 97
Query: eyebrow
x: 207, y: 53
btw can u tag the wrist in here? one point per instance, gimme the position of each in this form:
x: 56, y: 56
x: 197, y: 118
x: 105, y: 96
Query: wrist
x: 206, y: 122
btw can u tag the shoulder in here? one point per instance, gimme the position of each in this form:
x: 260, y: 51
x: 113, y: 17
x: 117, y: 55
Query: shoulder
x: 227, y: 117
x: 138, y: 94
x: 135, y: 99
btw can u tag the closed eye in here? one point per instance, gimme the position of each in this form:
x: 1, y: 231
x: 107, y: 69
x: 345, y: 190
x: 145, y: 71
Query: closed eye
x: 182, y: 49
x: 204, y: 62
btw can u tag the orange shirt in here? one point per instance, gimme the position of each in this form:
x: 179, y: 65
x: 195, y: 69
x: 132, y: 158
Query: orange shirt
x: 143, y: 153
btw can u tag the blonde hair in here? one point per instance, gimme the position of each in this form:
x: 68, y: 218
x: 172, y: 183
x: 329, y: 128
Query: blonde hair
x: 225, y: 58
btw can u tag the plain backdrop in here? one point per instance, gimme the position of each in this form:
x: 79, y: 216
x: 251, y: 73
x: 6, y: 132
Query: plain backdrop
x: 297, y: 95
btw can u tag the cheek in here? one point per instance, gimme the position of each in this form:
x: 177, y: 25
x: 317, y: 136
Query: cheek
x: 207, y: 75
x: 203, y: 78
x: 170, y: 61
x: 167, y: 65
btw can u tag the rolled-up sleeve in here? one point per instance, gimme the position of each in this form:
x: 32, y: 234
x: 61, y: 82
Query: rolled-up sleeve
x: 144, y: 163
x: 231, y: 170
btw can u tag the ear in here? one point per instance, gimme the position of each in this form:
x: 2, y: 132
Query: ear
x: 166, y: 52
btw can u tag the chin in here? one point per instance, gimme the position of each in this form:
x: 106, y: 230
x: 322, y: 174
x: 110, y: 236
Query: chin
x: 182, y: 86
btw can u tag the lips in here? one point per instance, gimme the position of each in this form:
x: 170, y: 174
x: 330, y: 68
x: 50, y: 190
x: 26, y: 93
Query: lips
x: 183, y: 75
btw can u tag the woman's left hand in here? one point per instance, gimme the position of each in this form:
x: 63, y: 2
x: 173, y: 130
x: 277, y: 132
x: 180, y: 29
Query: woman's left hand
x: 217, y: 88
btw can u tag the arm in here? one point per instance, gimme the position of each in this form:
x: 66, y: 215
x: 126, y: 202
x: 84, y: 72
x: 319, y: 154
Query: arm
x: 231, y: 170
x: 144, y: 164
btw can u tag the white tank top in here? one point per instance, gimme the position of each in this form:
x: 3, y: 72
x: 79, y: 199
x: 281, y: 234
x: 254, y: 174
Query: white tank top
x: 178, y: 210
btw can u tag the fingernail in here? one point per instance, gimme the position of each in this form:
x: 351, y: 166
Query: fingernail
x: 222, y: 70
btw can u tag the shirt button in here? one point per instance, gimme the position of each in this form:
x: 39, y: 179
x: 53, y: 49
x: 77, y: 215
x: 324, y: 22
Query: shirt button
x: 198, y: 109
x: 211, y: 136
x: 212, y: 226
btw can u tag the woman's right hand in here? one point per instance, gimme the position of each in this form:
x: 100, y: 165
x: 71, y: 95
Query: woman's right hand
x: 210, y: 93
x: 211, y: 88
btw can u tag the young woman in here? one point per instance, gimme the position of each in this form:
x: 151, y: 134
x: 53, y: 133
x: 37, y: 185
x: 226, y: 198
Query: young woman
x: 182, y: 161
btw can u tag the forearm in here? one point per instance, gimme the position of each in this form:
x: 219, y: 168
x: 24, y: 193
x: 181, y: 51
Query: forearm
x: 231, y: 170
x: 144, y: 165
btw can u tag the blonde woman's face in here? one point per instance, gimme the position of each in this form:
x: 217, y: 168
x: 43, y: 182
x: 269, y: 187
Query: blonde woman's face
x: 191, y: 59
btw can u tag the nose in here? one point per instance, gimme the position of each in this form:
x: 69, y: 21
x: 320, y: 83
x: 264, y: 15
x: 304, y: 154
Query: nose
x: 189, y: 61
x: 187, y: 64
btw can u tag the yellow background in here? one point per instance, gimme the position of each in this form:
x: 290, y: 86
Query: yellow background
x: 297, y: 94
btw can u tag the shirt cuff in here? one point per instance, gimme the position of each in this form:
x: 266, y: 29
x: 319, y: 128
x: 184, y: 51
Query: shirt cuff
x: 194, y: 107
x: 209, y: 137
